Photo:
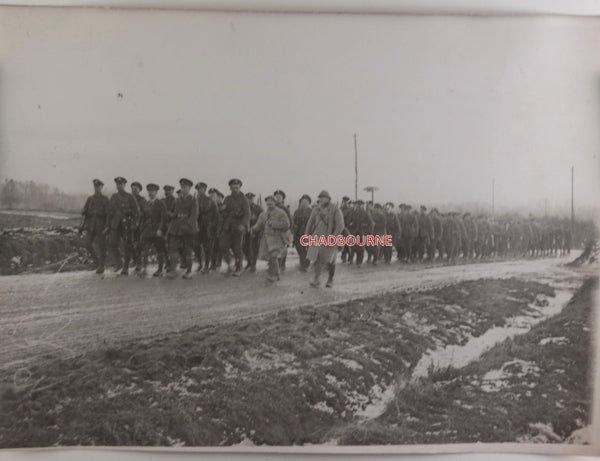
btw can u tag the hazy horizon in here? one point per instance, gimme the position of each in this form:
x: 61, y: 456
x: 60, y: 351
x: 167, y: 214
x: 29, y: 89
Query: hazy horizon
x: 441, y: 105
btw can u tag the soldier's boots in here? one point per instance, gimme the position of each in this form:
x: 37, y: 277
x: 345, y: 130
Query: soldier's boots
x: 118, y: 266
x: 100, y: 269
x: 331, y: 268
x: 187, y: 275
x: 158, y: 273
x: 205, y: 269
x: 125, y: 271
x: 273, y: 275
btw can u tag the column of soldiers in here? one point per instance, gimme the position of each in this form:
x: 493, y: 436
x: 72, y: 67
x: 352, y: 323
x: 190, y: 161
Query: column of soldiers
x: 217, y: 229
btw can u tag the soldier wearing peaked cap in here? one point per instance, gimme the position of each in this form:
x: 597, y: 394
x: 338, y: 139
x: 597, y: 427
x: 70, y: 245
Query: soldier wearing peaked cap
x: 123, y: 214
x: 182, y: 229
x: 392, y: 225
x: 346, y: 209
x: 236, y: 222
x: 136, y: 189
x: 299, y: 221
x: 361, y: 224
x: 154, y: 217
x: 217, y: 197
x: 208, y: 224
x: 94, y: 215
x: 251, y: 240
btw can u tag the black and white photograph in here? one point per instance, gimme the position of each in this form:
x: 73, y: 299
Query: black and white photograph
x: 251, y: 231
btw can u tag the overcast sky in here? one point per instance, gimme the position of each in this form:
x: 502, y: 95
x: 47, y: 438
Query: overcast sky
x: 441, y: 105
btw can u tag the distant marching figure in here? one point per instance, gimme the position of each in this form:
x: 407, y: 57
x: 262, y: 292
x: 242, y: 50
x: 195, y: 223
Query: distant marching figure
x: 275, y: 227
x: 326, y: 219
x: 123, y: 216
x: 94, y: 222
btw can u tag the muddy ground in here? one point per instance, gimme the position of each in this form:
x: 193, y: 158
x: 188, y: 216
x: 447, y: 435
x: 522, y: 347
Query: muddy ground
x: 31, y: 241
x: 533, y: 388
x: 314, y: 374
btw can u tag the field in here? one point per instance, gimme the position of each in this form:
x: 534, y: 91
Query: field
x: 33, y: 241
x: 391, y: 355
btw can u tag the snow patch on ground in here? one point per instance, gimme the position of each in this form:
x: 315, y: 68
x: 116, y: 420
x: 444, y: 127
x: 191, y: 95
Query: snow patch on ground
x: 459, y: 356
x: 494, y: 380
x: 560, y: 340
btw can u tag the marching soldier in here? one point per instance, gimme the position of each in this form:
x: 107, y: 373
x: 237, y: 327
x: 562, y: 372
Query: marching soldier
x: 325, y: 219
x: 94, y: 222
x: 252, y: 240
x: 379, y: 221
x: 217, y: 197
x: 169, y: 201
x: 123, y: 214
x: 425, y: 235
x: 280, y: 198
x: 273, y: 224
x: 236, y: 220
x: 438, y: 231
x: 182, y: 229
x: 208, y: 225
x: 346, y: 209
x: 136, y: 189
x: 154, y: 217
x: 361, y: 225
x: 300, y: 219
x: 409, y: 223
x: 393, y: 228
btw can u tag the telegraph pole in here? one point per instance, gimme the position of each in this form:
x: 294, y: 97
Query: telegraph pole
x: 355, y: 169
x: 493, y: 198
x: 572, y: 198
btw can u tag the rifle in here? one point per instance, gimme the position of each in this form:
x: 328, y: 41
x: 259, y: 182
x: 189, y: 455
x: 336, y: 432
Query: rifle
x: 82, y: 223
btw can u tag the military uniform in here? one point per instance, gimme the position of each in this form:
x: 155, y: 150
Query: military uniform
x: 393, y: 228
x: 236, y: 221
x: 438, y: 232
x: 252, y: 241
x: 425, y: 236
x: 300, y: 219
x: 360, y: 225
x: 94, y: 214
x: 137, y: 247
x: 154, y: 217
x: 208, y: 221
x: 182, y: 228
x: 169, y: 201
x: 470, y: 236
x: 410, y: 231
x: 346, y: 210
x: 123, y: 214
x: 379, y: 228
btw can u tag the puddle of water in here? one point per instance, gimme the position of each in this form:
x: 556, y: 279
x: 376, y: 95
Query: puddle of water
x: 460, y: 356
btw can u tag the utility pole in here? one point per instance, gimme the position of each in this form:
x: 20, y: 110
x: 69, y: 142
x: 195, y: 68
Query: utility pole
x: 493, y: 198
x: 572, y: 198
x: 355, y: 169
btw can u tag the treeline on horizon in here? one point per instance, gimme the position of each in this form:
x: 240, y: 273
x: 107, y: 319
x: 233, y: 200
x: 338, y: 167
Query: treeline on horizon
x: 31, y: 195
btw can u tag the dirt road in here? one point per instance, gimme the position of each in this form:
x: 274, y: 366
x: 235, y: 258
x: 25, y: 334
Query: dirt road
x: 59, y: 315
